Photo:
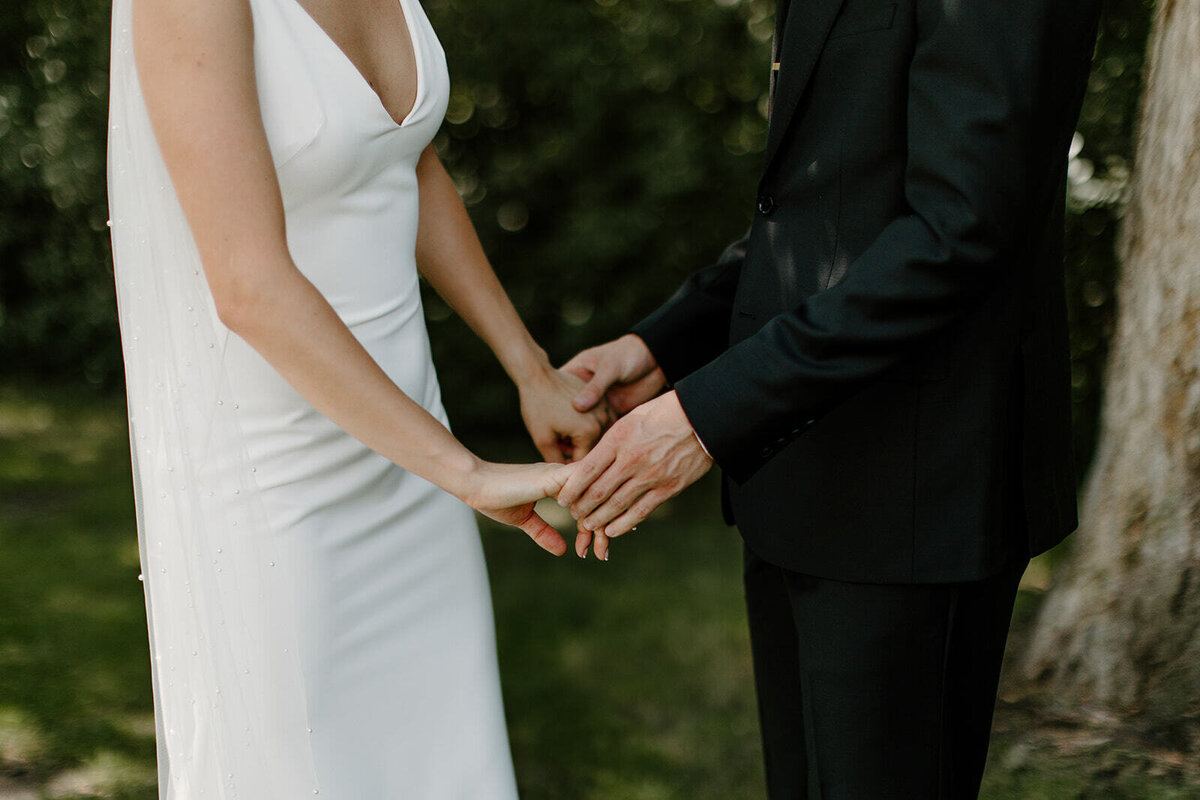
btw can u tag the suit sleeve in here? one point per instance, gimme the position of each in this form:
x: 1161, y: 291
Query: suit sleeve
x: 972, y: 81
x: 692, y: 328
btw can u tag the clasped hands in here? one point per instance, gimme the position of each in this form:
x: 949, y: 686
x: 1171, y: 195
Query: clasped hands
x: 648, y: 454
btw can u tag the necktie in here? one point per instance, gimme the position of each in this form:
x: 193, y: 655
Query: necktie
x: 781, y: 12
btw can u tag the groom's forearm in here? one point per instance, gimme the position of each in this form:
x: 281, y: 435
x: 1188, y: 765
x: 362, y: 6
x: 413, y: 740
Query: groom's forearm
x: 692, y: 328
x: 451, y: 258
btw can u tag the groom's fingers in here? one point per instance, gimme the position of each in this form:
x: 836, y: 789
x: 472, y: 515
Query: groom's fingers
x: 543, y: 534
x: 593, y: 392
x: 581, y: 366
x: 586, y: 473
x: 636, y: 514
x: 598, y: 494
x: 614, y: 506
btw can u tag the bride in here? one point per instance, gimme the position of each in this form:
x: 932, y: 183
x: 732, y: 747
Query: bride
x: 320, y: 621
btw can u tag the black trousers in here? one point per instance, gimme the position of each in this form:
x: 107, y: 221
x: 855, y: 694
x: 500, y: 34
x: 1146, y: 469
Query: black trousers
x: 874, y: 692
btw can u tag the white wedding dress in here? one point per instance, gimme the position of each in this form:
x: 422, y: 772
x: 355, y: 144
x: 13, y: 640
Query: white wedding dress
x: 320, y: 620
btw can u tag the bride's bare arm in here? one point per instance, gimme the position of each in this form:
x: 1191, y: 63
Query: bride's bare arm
x: 452, y: 260
x: 195, y: 62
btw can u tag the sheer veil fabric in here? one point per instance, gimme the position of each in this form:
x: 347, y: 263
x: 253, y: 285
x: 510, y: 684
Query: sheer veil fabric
x: 219, y: 586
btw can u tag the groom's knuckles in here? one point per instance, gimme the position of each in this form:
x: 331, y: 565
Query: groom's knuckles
x: 599, y: 491
x: 580, y: 480
x: 612, y: 508
x: 574, y: 485
x: 636, y: 514
x: 590, y: 467
x: 616, y: 505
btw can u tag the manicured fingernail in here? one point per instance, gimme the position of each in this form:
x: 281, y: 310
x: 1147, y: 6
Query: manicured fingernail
x: 585, y: 552
x: 606, y: 556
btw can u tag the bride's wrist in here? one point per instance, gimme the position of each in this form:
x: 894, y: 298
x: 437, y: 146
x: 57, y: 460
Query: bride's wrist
x: 462, y: 476
x: 531, y: 369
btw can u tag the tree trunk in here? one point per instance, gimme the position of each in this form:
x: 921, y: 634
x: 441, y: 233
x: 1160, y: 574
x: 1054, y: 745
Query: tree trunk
x: 1119, y: 632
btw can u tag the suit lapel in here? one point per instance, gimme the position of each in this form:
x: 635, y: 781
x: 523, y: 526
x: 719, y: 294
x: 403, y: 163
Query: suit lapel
x: 805, y: 30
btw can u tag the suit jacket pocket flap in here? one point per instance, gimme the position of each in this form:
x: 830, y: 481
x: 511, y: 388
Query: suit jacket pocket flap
x: 863, y: 17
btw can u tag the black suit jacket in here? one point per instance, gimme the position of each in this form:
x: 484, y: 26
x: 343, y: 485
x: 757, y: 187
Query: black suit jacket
x: 881, y: 365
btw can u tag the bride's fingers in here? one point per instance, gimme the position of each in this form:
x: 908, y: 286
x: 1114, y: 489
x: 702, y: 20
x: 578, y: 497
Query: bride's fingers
x: 581, y: 446
x: 583, y: 540
x: 550, y: 449
x: 601, y: 548
x: 559, y: 474
x: 543, y: 534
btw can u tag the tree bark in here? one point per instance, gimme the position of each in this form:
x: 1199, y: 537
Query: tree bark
x: 1119, y: 632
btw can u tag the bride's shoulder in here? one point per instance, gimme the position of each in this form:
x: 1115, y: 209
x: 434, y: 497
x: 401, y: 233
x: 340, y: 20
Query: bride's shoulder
x: 200, y: 29
x: 192, y: 42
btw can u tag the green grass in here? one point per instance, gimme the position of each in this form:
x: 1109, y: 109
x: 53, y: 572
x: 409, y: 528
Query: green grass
x: 75, y: 702
x: 629, y: 680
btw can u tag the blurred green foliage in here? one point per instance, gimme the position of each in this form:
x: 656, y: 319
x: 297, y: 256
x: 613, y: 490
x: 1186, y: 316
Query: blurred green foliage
x: 56, y: 298
x: 606, y: 148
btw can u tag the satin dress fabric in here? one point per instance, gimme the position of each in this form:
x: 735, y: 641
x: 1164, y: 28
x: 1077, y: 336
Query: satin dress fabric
x: 389, y: 659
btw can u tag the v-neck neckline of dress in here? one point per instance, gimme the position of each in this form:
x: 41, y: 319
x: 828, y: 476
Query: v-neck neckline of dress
x: 417, y: 58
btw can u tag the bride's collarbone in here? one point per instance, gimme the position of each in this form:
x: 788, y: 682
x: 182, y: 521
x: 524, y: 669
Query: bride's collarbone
x: 376, y: 38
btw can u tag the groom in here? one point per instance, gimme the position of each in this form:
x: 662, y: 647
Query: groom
x: 880, y: 368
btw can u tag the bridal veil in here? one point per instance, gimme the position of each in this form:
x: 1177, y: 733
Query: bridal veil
x: 219, y: 582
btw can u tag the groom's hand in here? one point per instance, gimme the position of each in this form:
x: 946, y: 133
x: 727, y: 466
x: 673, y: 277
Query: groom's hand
x: 623, y: 372
x: 646, y: 458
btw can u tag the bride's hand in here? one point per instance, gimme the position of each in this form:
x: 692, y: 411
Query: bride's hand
x: 585, y: 539
x: 507, y: 493
x: 560, y: 432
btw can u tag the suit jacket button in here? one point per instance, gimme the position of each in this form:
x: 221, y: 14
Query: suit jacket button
x: 766, y: 204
